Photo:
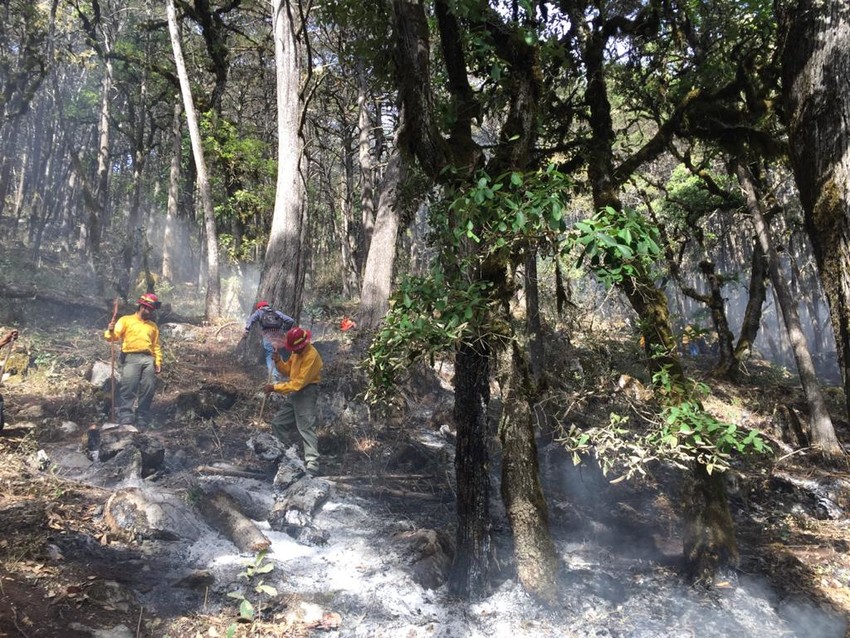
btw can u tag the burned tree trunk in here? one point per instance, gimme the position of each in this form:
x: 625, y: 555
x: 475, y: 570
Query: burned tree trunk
x: 709, y: 534
x: 534, y: 550
x: 471, y: 567
x: 223, y: 514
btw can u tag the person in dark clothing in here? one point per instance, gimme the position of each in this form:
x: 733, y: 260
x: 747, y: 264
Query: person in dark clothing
x: 274, y: 325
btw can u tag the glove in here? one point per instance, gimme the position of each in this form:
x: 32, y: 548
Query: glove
x: 244, y: 335
x: 269, y: 387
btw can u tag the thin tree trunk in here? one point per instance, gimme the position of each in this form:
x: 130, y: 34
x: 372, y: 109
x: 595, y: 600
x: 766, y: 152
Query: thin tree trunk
x: 822, y: 431
x: 19, y: 189
x: 367, y: 171
x: 10, y: 147
x: 755, y: 304
x: 349, y: 239
x: 169, y: 236
x: 97, y: 226
x: 532, y: 311
x: 213, y: 279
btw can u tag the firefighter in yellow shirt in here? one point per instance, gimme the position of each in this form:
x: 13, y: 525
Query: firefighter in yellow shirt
x: 141, y: 359
x: 304, y: 369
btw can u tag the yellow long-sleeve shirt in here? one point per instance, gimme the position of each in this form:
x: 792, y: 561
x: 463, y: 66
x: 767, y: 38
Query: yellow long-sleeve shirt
x: 137, y: 335
x: 302, y: 368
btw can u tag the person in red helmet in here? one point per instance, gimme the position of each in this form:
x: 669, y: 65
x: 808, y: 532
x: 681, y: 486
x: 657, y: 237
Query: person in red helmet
x: 274, y: 325
x: 141, y: 360
x: 304, y: 369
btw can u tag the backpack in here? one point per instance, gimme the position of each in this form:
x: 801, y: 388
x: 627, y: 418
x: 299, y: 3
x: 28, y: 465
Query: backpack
x: 270, y: 320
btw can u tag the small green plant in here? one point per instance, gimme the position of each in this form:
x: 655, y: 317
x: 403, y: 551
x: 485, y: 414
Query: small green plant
x: 253, y: 570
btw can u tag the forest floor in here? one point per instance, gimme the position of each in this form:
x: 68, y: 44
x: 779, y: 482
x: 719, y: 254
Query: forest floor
x: 65, y: 573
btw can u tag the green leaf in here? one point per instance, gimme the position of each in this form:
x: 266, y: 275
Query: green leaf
x: 246, y: 610
x: 519, y: 223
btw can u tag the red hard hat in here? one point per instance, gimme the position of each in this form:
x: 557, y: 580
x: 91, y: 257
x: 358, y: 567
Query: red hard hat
x: 297, y: 339
x: 149, y: 300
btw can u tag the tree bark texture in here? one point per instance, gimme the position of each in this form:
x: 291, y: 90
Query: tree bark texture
x: 709, y: 534
x: 99, y: 217
x: 378, y: 275
x: 222, y: 512
x: 534, y: 550
x: 169, y: 235
x: 470, y: 572
x: 816, y: 92
x: 282, y: 280
x: 717, y: 306
x: 755, y: 302
x: 367, y: 168
x: 823, y: 433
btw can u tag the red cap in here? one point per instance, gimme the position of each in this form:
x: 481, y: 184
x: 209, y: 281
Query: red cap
x: 261, y: 304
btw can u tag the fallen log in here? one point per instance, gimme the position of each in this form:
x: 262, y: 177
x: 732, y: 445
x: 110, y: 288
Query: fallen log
x: 352, y: 478
x: 229, y: 471
x: 385, y: 491
x: 222, y: 514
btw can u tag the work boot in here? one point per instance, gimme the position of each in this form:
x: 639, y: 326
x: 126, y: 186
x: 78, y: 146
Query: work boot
x: 313, y: 469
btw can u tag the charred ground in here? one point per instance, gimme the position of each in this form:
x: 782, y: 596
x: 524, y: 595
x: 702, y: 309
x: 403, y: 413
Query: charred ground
x: 64, y: 572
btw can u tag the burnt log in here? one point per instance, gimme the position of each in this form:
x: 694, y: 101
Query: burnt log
x: 222, y: 513
x: 139, y: 513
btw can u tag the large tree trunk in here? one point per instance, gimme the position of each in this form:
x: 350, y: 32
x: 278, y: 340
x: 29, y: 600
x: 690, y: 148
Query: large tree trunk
x: 709, y: 533
x: 378, y: 275
x: 534, y: 550
x: 470, y: 572
x: 823, y: 434
x: 212, y: 306
x: 282, y: 280
x: 816, y: 90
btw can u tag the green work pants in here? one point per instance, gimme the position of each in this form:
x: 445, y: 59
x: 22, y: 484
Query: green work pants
x: 300, y: 411
x: 138, y: 381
